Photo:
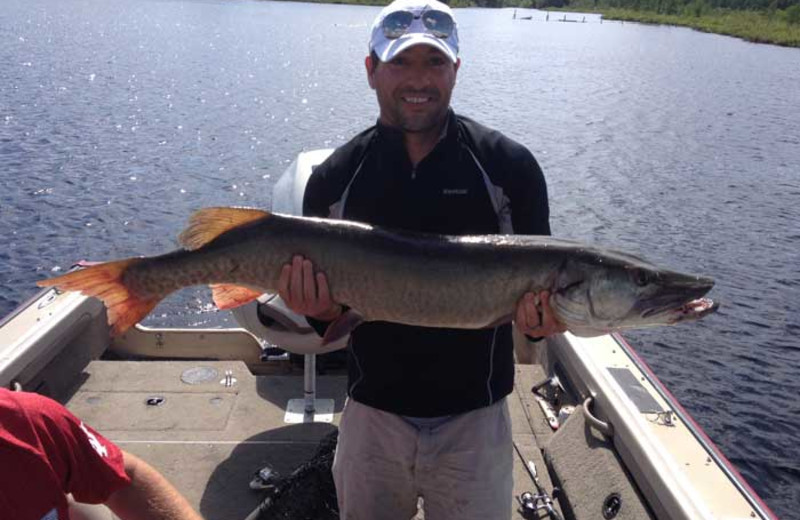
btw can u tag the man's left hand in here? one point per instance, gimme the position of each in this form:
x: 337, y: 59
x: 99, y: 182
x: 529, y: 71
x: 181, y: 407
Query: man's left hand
x: 535, y: 317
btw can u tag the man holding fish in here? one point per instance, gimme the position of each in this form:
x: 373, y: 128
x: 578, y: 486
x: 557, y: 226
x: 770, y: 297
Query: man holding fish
x: 441, y: 245
x: 426, y: 414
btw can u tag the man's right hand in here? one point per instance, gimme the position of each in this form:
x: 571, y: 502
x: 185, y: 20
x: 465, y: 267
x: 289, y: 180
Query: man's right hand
x: 306, y: 293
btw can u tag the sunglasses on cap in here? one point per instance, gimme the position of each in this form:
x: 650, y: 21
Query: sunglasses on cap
x: 437, y: 23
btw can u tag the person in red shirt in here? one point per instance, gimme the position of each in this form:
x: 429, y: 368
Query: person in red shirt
x: 46, y: 453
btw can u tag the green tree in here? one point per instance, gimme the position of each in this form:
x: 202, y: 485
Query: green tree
x: 793, y: 15
x: 696, y: 9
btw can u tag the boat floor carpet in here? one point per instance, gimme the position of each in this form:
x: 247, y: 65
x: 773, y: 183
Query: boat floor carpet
x: 209, y: 439
x: 591, y: 475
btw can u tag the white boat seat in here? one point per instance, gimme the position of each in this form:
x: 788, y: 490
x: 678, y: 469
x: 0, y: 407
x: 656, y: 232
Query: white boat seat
x: 272, y: 323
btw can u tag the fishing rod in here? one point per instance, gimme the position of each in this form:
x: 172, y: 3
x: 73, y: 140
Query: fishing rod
x: 528, y: 502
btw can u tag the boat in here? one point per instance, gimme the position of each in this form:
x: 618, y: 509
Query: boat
x: 596, y: 434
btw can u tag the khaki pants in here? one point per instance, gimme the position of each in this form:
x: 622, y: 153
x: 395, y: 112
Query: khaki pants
x: 462, y: 469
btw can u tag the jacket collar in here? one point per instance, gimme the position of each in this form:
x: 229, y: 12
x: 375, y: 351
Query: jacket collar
x: 392, y: 137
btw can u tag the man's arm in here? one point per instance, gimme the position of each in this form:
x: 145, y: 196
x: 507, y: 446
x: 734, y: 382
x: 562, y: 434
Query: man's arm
x: 150, y: 496
x: 531, y: 216
x: 301, y: 289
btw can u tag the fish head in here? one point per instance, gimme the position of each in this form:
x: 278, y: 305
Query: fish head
x: 612, y: 293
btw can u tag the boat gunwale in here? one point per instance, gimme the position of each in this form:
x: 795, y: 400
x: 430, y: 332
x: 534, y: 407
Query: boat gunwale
x: 733, y: 474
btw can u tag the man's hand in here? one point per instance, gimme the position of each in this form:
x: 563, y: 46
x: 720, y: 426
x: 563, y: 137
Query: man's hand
x: 535, y: 318
x: 306, y: 293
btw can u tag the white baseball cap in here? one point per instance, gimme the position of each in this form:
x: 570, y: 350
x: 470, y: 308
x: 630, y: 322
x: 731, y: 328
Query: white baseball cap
x: 405, y: 23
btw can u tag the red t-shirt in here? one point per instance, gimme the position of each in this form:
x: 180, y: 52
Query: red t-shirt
x: 45, y: 453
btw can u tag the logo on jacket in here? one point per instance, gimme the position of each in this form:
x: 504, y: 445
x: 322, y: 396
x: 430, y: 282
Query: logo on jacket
x: 98, y: 447
x: 455, y: 191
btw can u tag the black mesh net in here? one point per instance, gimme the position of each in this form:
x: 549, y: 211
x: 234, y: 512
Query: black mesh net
x: 308, y: 493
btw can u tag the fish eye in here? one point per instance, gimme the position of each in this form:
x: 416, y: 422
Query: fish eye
x: 640, y: 277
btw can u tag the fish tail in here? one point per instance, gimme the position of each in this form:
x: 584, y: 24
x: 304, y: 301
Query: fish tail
x: 105, y: 282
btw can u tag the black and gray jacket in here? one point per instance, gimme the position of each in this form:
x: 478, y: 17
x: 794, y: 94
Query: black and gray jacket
x: 475, y: 181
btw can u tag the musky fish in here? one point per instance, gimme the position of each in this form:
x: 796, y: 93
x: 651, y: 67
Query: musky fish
x: 399, y: 276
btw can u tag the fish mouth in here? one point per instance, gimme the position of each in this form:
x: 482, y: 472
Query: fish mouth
x: 681, y: 302
x: 688, y: 311
x: 695, y: 309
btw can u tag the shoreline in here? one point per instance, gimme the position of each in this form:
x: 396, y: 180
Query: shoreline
x: 753, y: 26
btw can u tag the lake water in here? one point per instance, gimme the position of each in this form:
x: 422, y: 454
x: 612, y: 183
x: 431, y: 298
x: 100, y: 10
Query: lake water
x: 119, y: 118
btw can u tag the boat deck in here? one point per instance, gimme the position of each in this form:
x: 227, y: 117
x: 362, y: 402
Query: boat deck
x: 209, y: 439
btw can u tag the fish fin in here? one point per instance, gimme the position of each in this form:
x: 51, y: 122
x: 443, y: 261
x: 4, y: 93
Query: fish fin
x: 342, y: 326
x: 104, y: 281
x: 207, y: 224
x: 228, y: 296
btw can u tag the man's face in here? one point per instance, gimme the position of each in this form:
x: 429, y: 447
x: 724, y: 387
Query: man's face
x: 414, y: 88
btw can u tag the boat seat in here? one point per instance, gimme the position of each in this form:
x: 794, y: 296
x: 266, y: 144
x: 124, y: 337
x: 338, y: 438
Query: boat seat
x: 271, y: 322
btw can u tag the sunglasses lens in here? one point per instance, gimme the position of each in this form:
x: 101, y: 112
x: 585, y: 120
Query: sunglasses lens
x: 396, y: 24
x: 438, y: 23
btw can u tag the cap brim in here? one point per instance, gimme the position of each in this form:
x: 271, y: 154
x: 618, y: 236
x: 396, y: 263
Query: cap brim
x: 391, y: 48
